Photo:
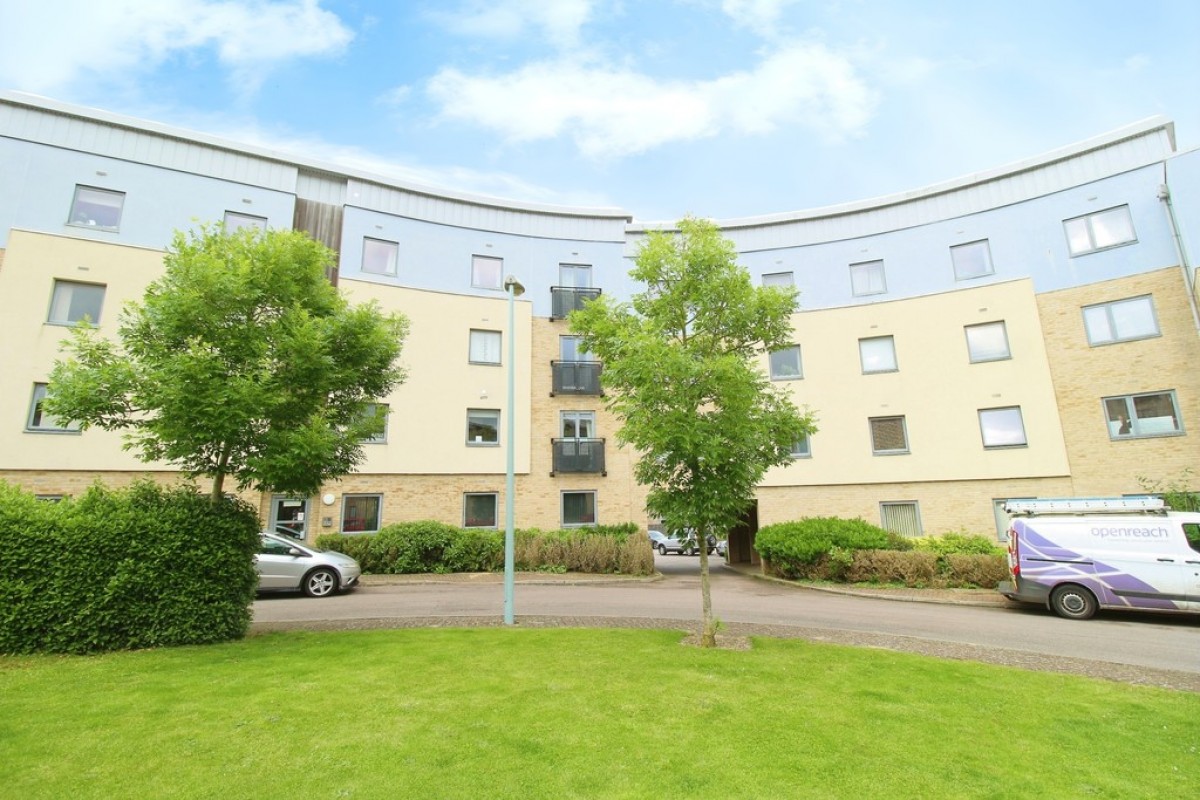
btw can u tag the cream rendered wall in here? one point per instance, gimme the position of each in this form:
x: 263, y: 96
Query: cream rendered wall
x: 936, y: 389
x: 427, y: 429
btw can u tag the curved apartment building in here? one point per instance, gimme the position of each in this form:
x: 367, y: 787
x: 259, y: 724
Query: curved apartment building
x: 1026, y: 331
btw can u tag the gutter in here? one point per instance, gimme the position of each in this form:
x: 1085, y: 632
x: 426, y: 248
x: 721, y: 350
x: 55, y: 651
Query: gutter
x: 1164, y: 194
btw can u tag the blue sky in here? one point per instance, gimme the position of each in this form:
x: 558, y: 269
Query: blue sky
x: 719, y: 108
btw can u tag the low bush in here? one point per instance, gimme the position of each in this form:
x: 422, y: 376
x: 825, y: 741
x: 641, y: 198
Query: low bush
x: 982, y: 571
x: 124, y: 569
x: 801, y: 549
x: 911, y: 568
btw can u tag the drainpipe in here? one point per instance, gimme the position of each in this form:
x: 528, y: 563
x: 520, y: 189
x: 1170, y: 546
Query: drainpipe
x: 1164, y: 194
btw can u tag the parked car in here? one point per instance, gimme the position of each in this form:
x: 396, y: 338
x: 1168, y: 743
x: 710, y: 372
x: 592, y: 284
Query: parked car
x: 684, y: 544
x: 287, y: 565
x: 655, y: 538
x: 722, y: 547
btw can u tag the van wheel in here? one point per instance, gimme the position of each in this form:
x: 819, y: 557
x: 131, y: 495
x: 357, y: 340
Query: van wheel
x: 1073, y: 602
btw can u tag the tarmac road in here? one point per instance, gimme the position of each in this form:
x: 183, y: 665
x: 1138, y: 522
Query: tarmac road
x: 1115, y: 644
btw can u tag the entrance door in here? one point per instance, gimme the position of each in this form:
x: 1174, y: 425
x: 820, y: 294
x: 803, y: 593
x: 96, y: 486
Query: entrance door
x: 289, y: 516
x: 740, y: 547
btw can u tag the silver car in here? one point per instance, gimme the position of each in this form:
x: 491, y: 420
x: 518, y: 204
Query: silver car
x: 286, y: 565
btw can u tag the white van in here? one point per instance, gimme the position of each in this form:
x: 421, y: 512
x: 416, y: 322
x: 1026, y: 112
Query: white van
x: 1078, y: 555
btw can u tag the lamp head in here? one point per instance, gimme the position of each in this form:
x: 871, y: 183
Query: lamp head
x: 513, y: 285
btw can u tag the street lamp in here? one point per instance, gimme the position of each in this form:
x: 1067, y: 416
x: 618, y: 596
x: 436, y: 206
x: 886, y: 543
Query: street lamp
x: 514, y: 289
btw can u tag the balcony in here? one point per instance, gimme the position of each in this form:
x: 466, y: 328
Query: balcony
x: 565, y: 299
x: 575, y: 377
x: 578, y: 455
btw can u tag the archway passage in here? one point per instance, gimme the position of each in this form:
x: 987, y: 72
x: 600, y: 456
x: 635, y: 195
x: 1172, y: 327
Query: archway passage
x: 741, y: 538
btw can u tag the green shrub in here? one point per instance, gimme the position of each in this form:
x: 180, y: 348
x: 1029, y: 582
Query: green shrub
x: 982, y: 571
x: 795, y: 549
x: 911, y: 568
x: 114, y: 570
x: 958, y: 544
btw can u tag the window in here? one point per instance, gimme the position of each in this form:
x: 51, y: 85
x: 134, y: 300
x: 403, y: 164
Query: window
x: 578, y: 508
x: 779, y: 279
x: 867, y: 278
x: 383, y: 410
x: 1002, y: 427
x: 570, y: 348
x: 483, y: 426
x: 971, y: 260
x: 237, y: 222
x: 97, y: 208
x: 987, y: 342
x: 902, y: 518
x: 1120, y: 321
x: 360, y: 513
x: 1137, y: 415
x: 479, y: 509
x: 802, y: 448
x: 487, y: 272
x: 575, y: 276
x: 72, y: 302
x: 785, y: 364
x: 1099, y: 231
x: 889, y: 436
x: 878, y: 354
x: 485, y: 347
x: 41, y: 421
x: 379, y: 256
x: 578, y: 424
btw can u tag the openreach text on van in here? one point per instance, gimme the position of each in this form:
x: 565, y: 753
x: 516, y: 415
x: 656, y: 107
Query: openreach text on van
x: 1129, y: 533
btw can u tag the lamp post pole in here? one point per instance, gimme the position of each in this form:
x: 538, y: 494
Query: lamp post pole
x: 514, y: 289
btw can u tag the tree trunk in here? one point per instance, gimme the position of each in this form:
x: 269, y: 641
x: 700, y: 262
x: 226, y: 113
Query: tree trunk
x: 708, y: 630
x: 218, y: 487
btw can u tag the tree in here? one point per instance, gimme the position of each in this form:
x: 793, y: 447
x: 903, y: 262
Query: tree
x: 242, y: 360
x: 682, y: 374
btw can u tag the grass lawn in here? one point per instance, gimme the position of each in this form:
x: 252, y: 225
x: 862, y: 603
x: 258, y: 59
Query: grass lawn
x: 495, y: 713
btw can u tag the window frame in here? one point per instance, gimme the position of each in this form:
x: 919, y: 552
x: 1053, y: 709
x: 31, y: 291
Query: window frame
x: 388, y: 247
x: 861, y: 268
x: 907, y: 449
x: 779, y: 279
x: 1111, y: 320
x: 54, y: 302
x: 1131, y: 409
x: 73, y: 218
x: 249, y: 221
x: 978, y: 245
x: 862, y: 355
x: 377, y: 496
x: 478, y: 261
x: 981, y: 359
x: 40, y: 393
x: 382, y: 438
x: 471, y: 351
x: 574, y: 270
x: 562, y: 508
x: 495, y: 496
x: 581, y: 418
x: 495, y: 412
x: 1004, y: 445
x: 802, y: 448
x: 1087, y: 221
x: 914, y: 504
x: 771, y: 365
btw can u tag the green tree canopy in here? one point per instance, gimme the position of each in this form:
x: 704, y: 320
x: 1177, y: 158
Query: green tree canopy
x: 242, y: 360
x: 682, y: 373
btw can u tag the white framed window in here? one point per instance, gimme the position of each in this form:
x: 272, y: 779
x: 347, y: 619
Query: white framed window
x: 578, y: 508
x: 479, y: 509
x: 361, y: 513
x: 577, y: 424
x: 878, y: 354
x: 236, y: 221
x: 575, y: 276
x: 570, y: 348
x: 987, y: 341
x: 383, y: 409
x: 1121, y: 320
x: 96, y: 208
x: 1002, y: 427
x: 802, y: 448
x: 379, y: 256
x: 41, y: 422
x: 1100, y: 230
x: 902, y: 517
x: 889, y: 436
x: 72, y: 302
x: 485, y: 347
x: 867, y: 278
x: 779, y: 279
x: 971, y: 260
x: 785, y: 364
x: 487, y: 272
x: 1135, y: 416
x: 483, y: 427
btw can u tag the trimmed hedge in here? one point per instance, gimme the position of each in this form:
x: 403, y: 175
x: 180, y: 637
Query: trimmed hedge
x: 798, y: 549
x: 121, y: 569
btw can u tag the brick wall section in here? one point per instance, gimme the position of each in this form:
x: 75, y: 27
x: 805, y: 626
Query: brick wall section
x: 1084, y: 374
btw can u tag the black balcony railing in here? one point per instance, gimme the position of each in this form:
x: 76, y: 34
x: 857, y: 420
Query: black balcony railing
x: 578, y: 455
x: 565, y: 299
x: 575, y: 377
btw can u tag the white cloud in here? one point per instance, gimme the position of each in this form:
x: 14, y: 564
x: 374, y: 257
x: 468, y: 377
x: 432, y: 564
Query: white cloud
x: 72, y: 41
x: 612, y: 111
x: 760, y: 16
x: 559, y: 21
